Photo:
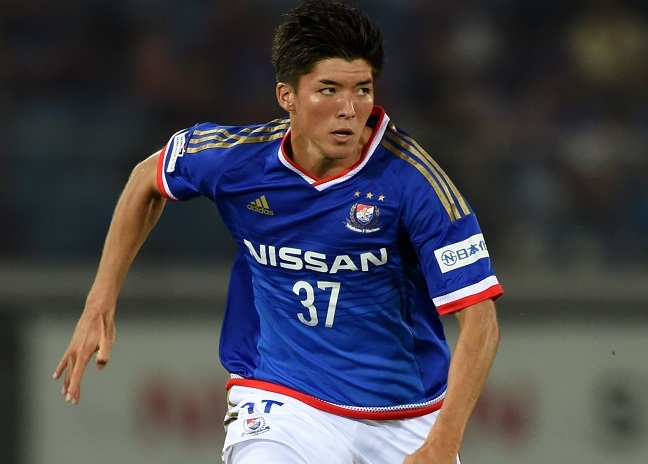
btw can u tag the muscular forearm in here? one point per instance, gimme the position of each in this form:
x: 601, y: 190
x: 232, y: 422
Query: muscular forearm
x: 471, y: 361
x: 136, y: 213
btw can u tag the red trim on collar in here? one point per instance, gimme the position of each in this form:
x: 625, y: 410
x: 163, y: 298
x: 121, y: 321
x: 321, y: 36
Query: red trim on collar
x: 285, y: 150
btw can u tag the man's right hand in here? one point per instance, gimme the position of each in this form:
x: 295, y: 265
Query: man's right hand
x: 94, y: 333
x: 138, y: 210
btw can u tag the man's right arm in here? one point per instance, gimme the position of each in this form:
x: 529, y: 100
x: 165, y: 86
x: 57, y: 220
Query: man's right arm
x: 138, y: 210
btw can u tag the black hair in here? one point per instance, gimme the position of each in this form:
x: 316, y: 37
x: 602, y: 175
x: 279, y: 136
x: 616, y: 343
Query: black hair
x: 322, y: 29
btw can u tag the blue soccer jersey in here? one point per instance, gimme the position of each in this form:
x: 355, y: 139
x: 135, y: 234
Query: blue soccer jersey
x: 339, y: 283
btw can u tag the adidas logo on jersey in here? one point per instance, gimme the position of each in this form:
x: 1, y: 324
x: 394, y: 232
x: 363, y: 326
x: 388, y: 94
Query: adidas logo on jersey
x: 260, y: 205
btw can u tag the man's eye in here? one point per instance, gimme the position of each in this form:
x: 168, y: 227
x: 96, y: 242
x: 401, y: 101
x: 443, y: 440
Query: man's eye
x: 364, y: 91
x: 328, y: 91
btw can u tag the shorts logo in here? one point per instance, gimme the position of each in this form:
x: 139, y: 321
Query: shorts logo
x: 462, y: 253
x: 363, y: 218
x: 255, y: 425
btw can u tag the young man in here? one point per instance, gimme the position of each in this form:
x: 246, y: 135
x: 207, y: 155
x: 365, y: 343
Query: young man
x: 352, y: 243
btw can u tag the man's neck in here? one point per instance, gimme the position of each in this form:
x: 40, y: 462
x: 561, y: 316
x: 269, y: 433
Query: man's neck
x: 317, y: 164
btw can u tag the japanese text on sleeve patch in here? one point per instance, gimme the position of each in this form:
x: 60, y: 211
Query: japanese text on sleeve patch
x: 462, y: 253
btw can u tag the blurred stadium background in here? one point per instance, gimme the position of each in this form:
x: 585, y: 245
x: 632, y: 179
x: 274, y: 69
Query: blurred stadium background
x: 537, y: 109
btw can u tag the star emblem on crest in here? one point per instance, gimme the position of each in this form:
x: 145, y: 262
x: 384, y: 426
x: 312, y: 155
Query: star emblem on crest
x: 369, y: 195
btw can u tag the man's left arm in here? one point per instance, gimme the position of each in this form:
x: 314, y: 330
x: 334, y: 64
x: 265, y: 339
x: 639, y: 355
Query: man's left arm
x: 469, y: 367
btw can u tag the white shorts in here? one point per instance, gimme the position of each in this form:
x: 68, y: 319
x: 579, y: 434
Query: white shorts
x: 277, y: 429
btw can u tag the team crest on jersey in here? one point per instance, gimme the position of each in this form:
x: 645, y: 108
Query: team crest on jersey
x: 255, y: 425
x: 363, y: 218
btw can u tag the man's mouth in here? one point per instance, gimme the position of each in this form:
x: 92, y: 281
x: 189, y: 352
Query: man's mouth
x: 343, y: 134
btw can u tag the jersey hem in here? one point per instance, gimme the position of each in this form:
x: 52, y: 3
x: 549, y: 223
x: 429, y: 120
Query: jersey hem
x: 353, y: 412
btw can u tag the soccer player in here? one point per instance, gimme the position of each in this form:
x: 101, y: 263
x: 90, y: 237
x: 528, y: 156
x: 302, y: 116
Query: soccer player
x: 352, y: 245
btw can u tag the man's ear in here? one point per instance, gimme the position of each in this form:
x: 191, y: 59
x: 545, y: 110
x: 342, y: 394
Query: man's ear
x: 286, y: 96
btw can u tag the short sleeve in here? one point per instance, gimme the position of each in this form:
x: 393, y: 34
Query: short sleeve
x: 175, y: 180
x: 450, y: 245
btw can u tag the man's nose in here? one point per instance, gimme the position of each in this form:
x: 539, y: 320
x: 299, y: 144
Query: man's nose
x: 347, y: 108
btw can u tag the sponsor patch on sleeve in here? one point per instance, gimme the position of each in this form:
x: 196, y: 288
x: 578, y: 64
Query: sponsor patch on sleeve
x: 176, y: 150
x: 462, y: 253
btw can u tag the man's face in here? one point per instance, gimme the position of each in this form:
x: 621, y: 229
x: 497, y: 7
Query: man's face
x: 330, y: 109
